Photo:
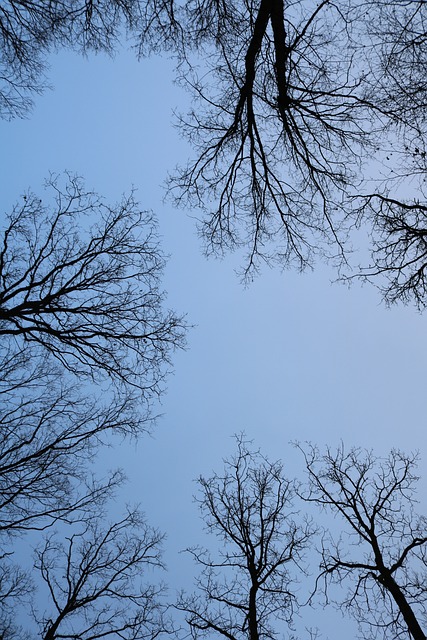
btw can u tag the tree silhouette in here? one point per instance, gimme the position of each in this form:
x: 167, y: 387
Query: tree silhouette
x: 381, y: 555
x: 81, y: 281
x: 86, y: 346
x: 29, y: 31
x: 249, y: 584
x: 399, y: 247
x: 279, y: 127
x: 94, y: 582
x: 50, y: 431
x: 15, y: 588
x: 293, y: 105
x: 293, y: 101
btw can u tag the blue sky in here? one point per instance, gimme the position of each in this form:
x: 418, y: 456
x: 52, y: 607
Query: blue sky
x: 291, y: 357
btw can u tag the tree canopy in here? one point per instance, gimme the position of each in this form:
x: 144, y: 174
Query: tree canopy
x: 379, y: 558
x: 250, y: 583
x: 85, y: 348
x: 80, y: 280
x: 297, y: 106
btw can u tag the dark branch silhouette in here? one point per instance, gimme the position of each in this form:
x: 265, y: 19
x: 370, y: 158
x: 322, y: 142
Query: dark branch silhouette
x: 95, y: 583
x: 29, y: 31
x: 80, y: 308
x: 381, y: 555
x: 292, y: 103
x: 81, y: 280
x: 49, y: 432
x: 279, y: 129
x: 243, y: 592
x: 396, y: 35
x: 16, y: 588
x: 399, y: 247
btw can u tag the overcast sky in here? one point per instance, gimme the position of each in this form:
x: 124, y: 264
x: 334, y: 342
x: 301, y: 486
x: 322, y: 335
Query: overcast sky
x: 291, y: 357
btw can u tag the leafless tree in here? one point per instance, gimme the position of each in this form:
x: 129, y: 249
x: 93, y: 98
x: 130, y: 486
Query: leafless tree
x: 292, y: 100
x: 396, y: 33
x: 29, y: 31
x: 49, y: 434
x: 79, y: 293
x: 381, y: 556
x: 398, y: 264
x: 49, y: 431
x: 95, y: 582
x: 394, y: 209
x: 81, y: 279
x: 80, y: 307
x: 249, y: 585
x: 289, y: 107
x: 281, y: 119
x: 15, y: 588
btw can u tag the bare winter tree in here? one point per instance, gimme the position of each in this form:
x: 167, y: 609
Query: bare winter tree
x: 295, y: 103
x: 15, y: 587
x: 280, y: 124
x: 398, y: 265
x: 292, y: 101
x: 394, y: 209
x: 80, y: 280
x: 29, y: 31
x: 381, y: 556
x: 80, y: 307
x: 49, y: 432
x: 396, y: 32
x: 249, y: 584
x: 95, y: 582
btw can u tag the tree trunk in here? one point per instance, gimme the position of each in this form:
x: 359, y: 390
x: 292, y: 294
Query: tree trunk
x: 405, y: 608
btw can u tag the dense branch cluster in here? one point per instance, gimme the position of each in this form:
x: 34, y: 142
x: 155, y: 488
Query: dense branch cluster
x: 399, y: 247
x: 250, y: 586
x: 279, y: 126
x: 373, y: 565
x: 292, y: 101
x: 29, y: 31
x: 297, y: 107
x: 96, y: 573
x: 87, y: 292
x: 86, y: 346
x: 381, y: 557
x: 397, y: 34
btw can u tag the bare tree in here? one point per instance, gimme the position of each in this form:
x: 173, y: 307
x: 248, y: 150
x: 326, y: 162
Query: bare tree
x: 80, y: 308
x: 249, y: 585
x: 381, y: 556
x: 398, y: 264
x: 394, y: 209
x: 49, y: 432
x: 280, y: 124
x: 95, y: 582
x: 396, y: 33
x: 79, y: 292
x: 80, y: 279
x: 15, y: 588
x: 292, y: 100
x: 29, y: 31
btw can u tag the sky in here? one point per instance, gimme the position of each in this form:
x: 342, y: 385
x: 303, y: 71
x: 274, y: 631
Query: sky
x: 290, y: 357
